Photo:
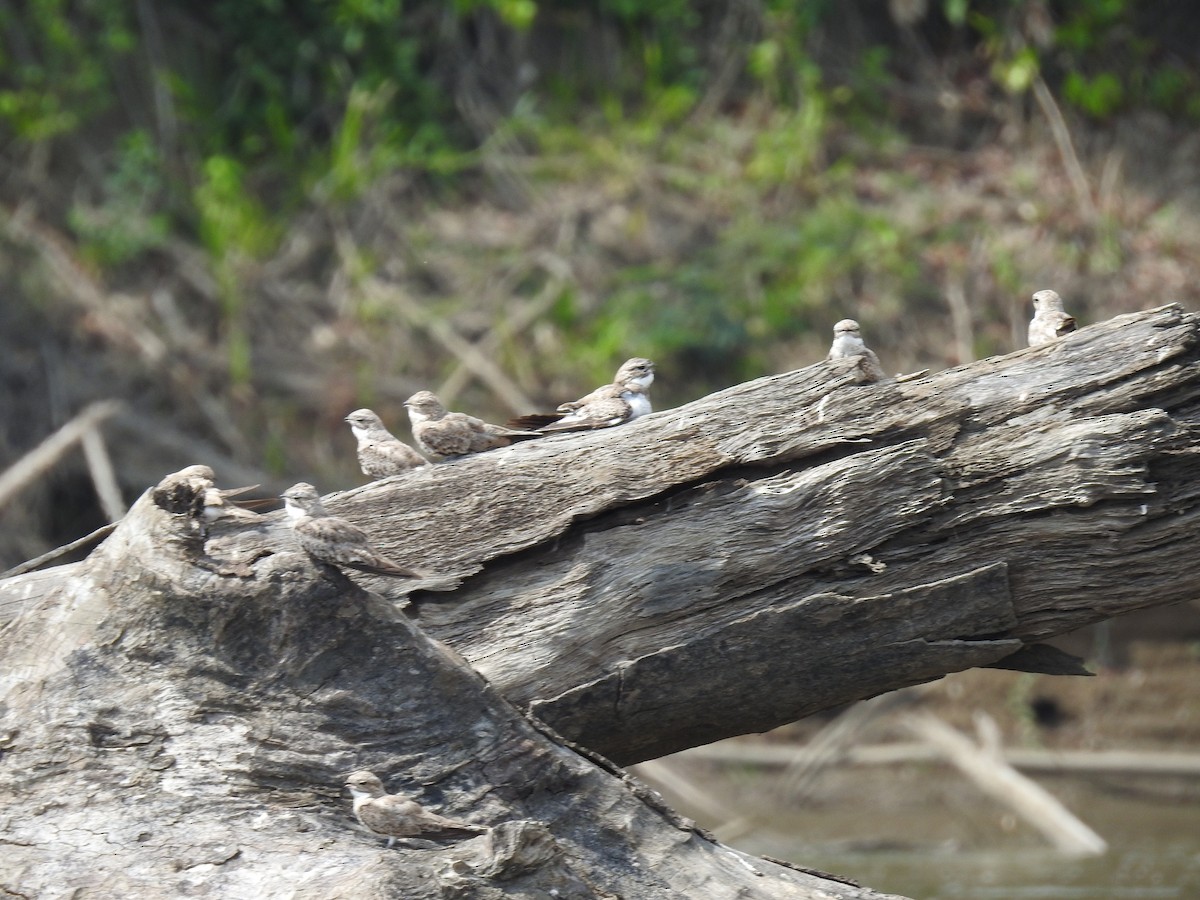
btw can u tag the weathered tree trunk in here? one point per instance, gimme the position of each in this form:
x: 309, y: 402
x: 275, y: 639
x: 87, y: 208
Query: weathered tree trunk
x: 179, y: 712
x: 179, y: 723
x: 802, y: 541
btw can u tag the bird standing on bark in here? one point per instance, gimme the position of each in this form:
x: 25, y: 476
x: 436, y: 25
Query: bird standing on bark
x: 394, y: 816
x: 332, y: 540
x: 625, y: 399
x: 1049, y: 321
x: 847, y: 342
x: 381, y: 453
x: 217, y: 504
x: 194, y: 488
x: 441, y: 434
x: 603, y: 412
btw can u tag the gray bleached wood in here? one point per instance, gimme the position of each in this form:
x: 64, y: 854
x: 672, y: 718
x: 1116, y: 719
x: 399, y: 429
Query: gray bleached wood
x: 179, y: 713
x: 614, y: 564
x: 595, y: 562
x: 696, y: 573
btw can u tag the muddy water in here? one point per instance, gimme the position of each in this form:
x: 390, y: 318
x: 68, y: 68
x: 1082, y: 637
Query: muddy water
x: 948, y: 852
x: 923, y: 831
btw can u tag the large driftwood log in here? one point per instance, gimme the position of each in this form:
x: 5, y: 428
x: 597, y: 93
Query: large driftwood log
x: 768, y: 551
x: 801, y: 541
x: 178, y: 722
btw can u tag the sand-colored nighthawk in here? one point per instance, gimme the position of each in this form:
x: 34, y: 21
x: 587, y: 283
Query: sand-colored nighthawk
x: 847, y: 341
x: 1049, y: 322
x: 603, y: 413
x: 217, y: 505
x: 194, y: 487
x: 441, y: 434
x: 381, y: 453
x: 333, y: 540
x: 625, y: 399
x: 394, y: 816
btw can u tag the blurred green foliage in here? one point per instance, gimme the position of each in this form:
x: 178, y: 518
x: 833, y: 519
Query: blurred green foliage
x: 1108, y: 55
x: 235, y: 229
x: 128, y: 218
x: 217, y: 122
x: 57, y: 58
x: 292, y: 85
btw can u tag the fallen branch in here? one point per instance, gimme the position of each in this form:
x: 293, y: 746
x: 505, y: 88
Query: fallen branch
x: 1167, y: 764
x: 635, y: 587
x: 985, y: 766
x: 198, y: 699
x: 45, y: 455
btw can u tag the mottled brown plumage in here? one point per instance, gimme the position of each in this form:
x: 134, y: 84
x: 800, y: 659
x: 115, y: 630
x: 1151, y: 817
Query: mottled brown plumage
x: 625, y: 399
x: 192, y: 491
x: 605, y: 412
x: 381, y: 453
x: 394, y: 816
x: 333, y: 540
x: 218, y: 506
x: 441, y: 434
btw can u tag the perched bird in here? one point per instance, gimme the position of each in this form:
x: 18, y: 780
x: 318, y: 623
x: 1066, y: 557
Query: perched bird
x: 394, y: 816
x: 333, y: 540
x: 847, y: 341
x: 1049, y: 322
x: 381, y: 453
x: 193, y: 490
x: 636, y: 372
x: 217, y: 505
x: 627, y: 398
x: 442, y: 434
x: 182, y: 493
x: 605, y: 412
x: 196, y: 476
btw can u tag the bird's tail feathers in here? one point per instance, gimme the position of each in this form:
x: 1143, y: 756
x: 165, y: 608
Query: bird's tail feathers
x: 382, y: 566
x: 532, y: 421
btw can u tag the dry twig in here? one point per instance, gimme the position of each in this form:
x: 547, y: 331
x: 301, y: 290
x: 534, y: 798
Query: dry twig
x: 1066, y: 148
x: 29, y: 468
x: 986, y: 767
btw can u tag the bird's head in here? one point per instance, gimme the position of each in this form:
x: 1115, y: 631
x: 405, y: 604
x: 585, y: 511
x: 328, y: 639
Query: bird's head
x: 637, y: 371
x: 423, y: 406
x: 1047, y: 300
x: 301, y: 500
x: 364, y: 422
x: 364, y: 784
x: 846, y: 326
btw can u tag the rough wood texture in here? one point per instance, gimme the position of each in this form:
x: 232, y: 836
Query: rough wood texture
x: 801, y: 541
x: 178, y: 717
x: 771, y: 550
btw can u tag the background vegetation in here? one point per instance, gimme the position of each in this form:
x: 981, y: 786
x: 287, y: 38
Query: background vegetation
x: 244, y: 218
x: 247, y: 217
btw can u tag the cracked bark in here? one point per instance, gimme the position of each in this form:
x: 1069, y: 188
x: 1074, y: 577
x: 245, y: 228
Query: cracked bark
x: 801, y: 541
x: 178, y: 716
x: 179, y: 712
